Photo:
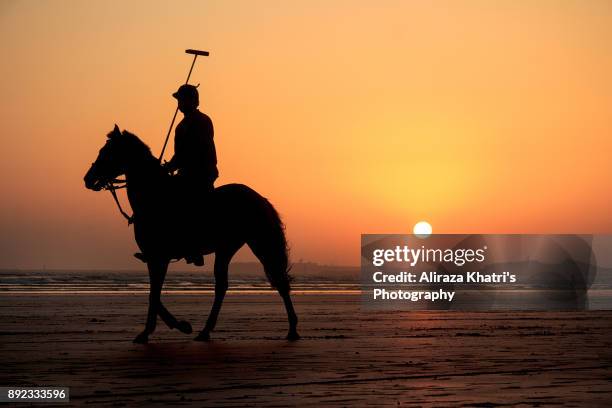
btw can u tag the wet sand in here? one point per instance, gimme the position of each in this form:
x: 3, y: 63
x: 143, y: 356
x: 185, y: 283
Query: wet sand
x: 347, y: 357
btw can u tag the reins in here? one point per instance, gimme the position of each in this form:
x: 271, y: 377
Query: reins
x: 118, y: 184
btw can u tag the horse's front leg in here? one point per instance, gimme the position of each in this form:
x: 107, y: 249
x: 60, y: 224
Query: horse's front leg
x: 222, y: 261
x: 157, y: 274
x: 171, y: 321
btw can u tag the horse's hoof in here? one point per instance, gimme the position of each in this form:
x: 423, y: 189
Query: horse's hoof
x: 203, y: 336
x: 184, y: 327
x: 142, y: 338
x: 293, y: 336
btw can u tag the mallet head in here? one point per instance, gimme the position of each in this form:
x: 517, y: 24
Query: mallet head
x: 197, y: 52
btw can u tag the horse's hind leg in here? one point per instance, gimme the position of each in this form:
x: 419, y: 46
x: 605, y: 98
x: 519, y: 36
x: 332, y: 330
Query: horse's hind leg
x: 222, y: 260
x: 291, y: 315
x: 275, y: 265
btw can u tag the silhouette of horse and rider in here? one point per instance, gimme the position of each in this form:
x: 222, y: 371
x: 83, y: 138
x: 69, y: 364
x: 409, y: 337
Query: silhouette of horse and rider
x: 183, y: 215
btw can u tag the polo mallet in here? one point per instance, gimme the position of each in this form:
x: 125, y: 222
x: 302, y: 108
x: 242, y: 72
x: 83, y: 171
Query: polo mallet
x: 195, y: 54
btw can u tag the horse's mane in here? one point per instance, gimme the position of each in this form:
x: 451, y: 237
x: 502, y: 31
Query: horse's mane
x: 135, y: 145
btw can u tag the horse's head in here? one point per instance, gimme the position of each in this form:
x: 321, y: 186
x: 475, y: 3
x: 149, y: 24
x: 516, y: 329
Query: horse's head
x: 111, y: 161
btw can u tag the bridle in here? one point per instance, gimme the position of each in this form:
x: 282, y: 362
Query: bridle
x: 112, y: 186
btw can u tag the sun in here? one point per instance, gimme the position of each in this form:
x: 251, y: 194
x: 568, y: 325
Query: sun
x: 422, y: 229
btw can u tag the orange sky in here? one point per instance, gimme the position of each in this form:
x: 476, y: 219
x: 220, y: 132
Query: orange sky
x: 351, y: 117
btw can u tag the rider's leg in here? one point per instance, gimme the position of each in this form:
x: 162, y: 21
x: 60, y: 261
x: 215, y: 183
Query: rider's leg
x: 198, y: 205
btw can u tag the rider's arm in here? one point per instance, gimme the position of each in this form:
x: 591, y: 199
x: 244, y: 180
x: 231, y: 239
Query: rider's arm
x: 176, y: 161
x: 172, y: 165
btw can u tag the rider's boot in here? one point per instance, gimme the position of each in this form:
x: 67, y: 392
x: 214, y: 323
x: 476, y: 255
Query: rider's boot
x: 197, y: 259
x: 141, y: 257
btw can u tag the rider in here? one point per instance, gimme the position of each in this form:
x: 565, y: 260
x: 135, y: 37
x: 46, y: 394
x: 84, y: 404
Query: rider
x: 195, y: 158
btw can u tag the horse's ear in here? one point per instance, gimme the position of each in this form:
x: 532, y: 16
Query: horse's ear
x: 114, y: 132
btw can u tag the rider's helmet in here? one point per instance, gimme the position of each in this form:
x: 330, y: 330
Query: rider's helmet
x: 187, y: 92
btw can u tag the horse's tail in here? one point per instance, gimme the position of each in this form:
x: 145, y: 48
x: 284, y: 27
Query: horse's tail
x: 269, y: 244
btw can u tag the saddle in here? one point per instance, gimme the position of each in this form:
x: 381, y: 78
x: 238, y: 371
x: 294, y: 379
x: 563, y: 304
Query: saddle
x: 189, y: 225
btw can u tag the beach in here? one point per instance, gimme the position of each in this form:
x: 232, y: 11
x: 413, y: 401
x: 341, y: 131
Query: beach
x: 347, y: 356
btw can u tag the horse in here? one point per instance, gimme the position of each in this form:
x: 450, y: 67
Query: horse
x: 238, y: 215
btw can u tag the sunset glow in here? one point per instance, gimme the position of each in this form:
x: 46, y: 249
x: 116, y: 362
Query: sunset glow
x: 422, y: 229
x: 351, y: 117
